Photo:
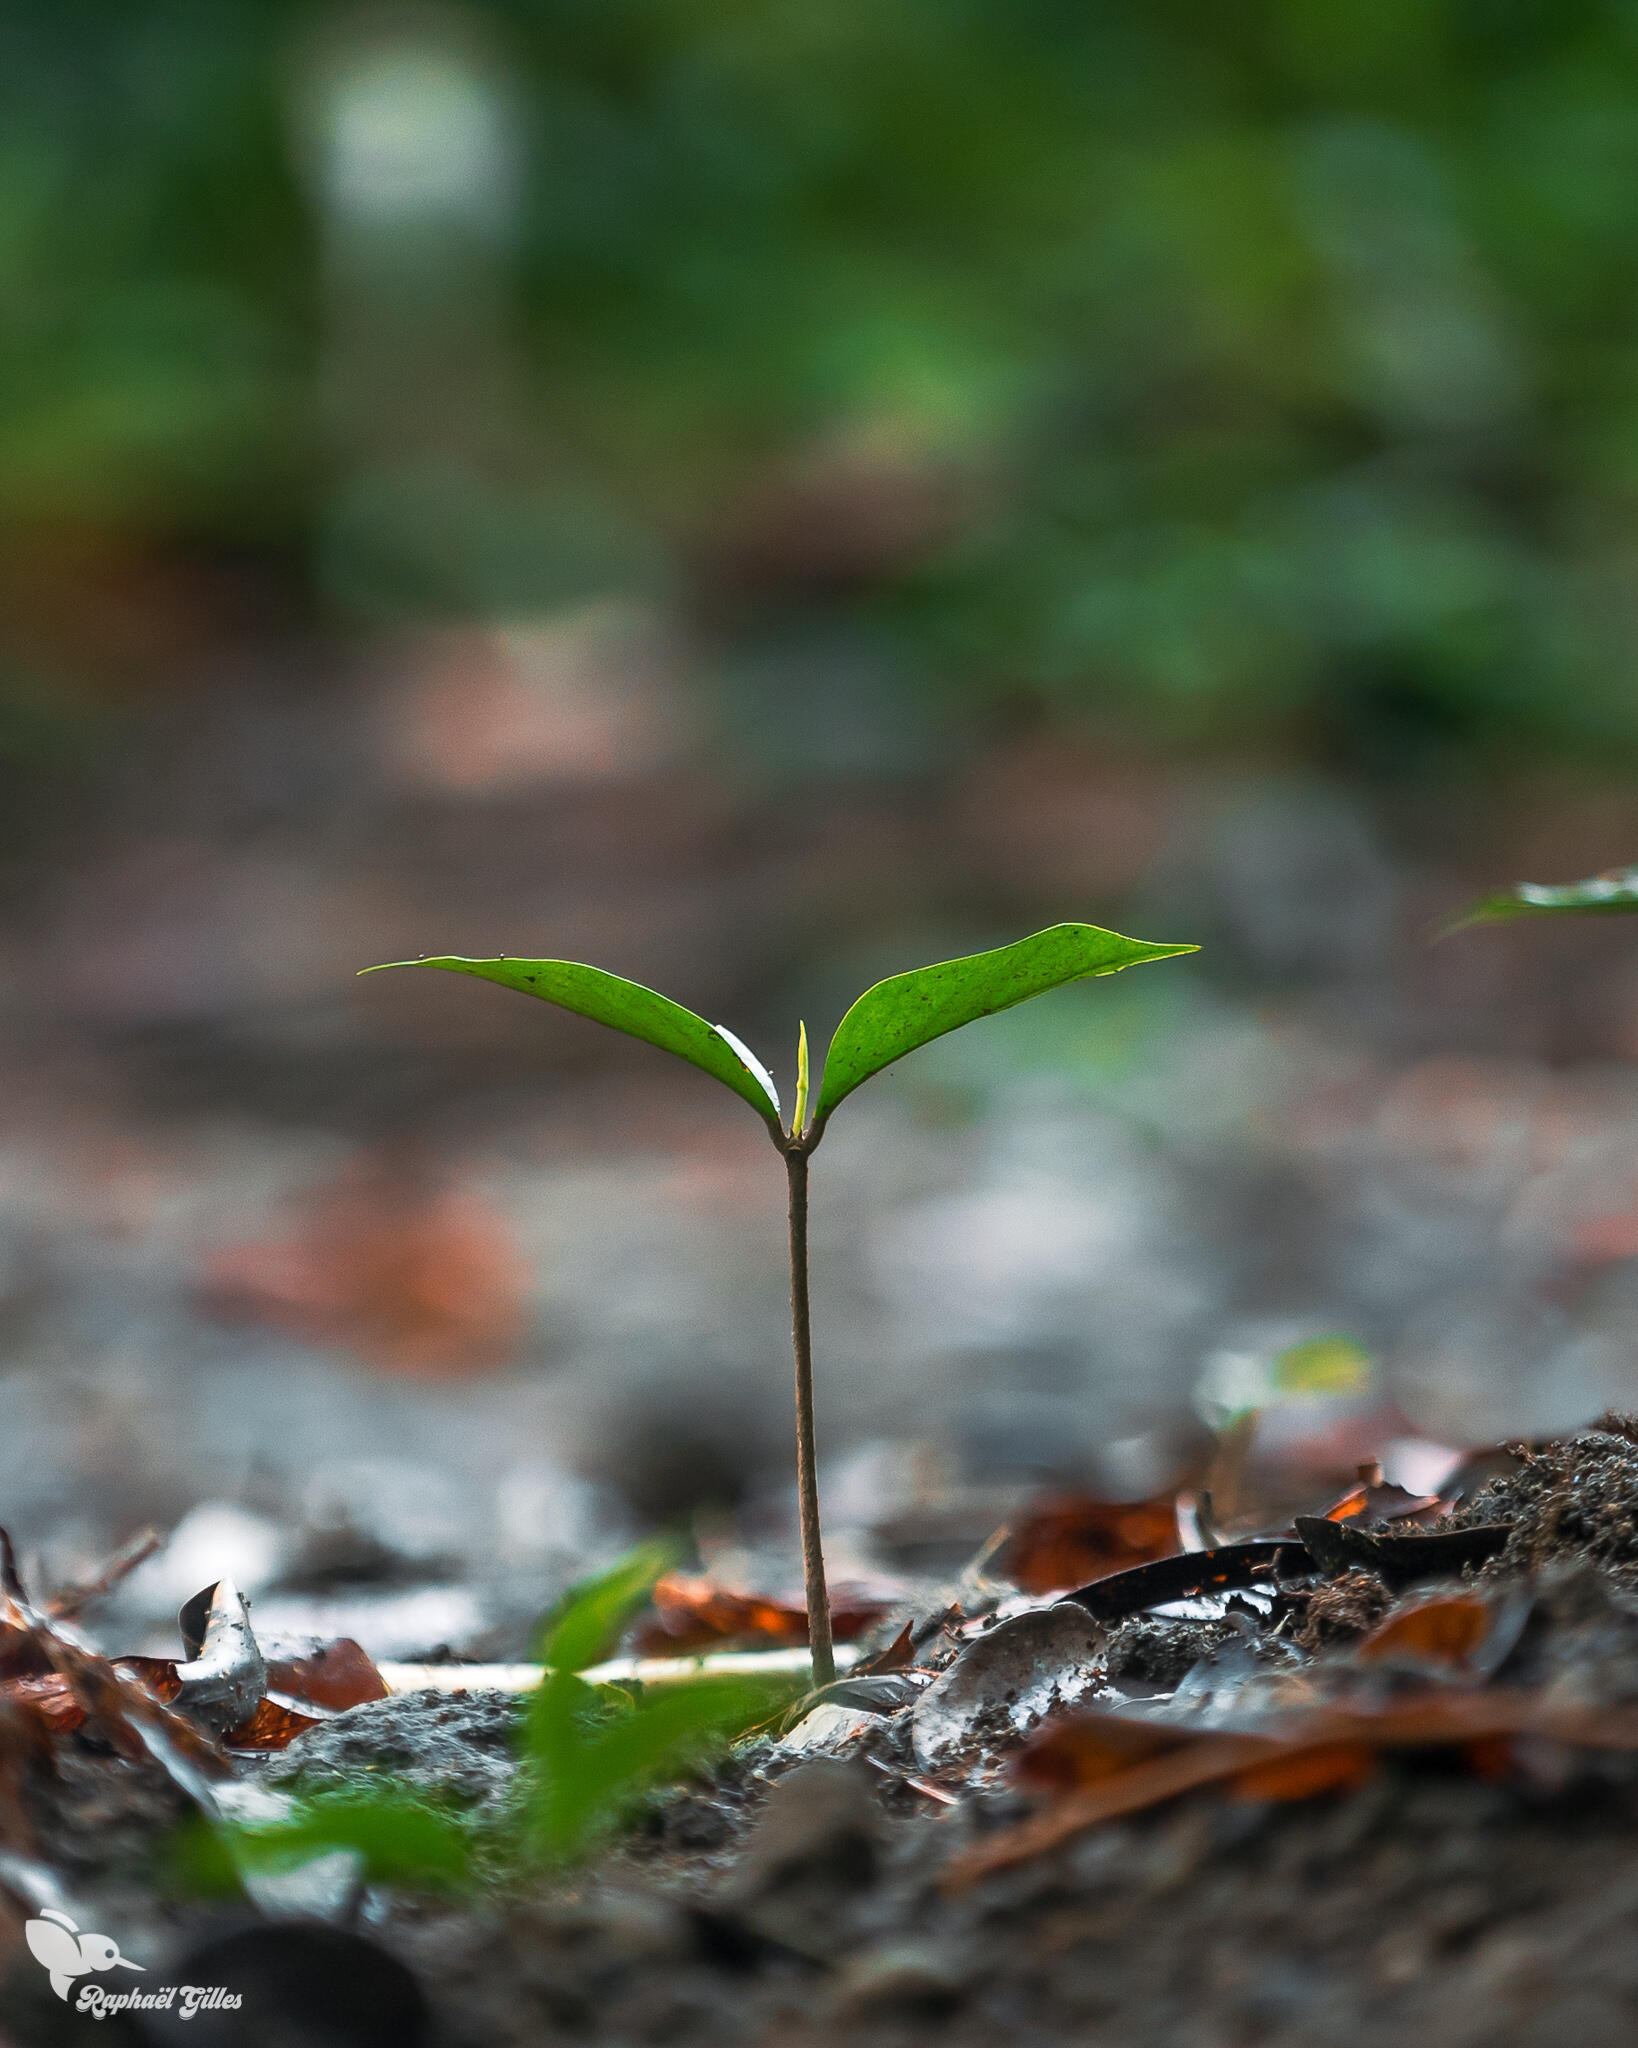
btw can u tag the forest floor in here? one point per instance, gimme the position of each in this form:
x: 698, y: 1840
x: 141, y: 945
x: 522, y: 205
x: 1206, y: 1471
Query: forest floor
x: 1425, y: 1834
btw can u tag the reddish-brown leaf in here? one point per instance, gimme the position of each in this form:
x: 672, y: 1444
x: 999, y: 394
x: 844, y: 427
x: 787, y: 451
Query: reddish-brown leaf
x: 899, y: 1655
x: 413, y: 1277
x: 1373, y: 1501
x: 694, y: 1614
x: 22, y: 1654
x: 1302, y: 1773
x: 331, y: 1676
x: 23, y: 1651
x: 1445, y: 1631
x: 1071, y: 1751
x: 1492, y: 1756
x: 1069, y: 1539
x: 50, y: 1700
x: 335, y: 1675
x: 269, y: 1726
x: 156, y: 1675
x: 1315, y: 1750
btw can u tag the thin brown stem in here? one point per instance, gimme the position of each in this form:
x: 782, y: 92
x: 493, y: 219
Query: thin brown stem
x: 807, y: 1464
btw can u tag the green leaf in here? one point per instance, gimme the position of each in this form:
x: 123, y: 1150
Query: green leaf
x: 626, y: 1006
x: 402, y: 1841
x: 1332, y: 1364
x: 1600, y: 895
x: 910, y: 1010
x: 585, y: 1625
x: 581, y: 1785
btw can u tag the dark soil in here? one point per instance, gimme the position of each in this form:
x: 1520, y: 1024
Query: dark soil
x: 1574, y: 1499
x: 459, y: 1745
x: 796, y: 1899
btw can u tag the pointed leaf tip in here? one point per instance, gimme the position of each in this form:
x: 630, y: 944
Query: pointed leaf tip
x: 799, y: 1115
x: 910, y: 1010
x: 624, y: 1006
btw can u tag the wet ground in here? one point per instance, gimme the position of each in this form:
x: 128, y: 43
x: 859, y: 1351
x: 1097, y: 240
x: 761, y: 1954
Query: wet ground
x: 862, y: 1878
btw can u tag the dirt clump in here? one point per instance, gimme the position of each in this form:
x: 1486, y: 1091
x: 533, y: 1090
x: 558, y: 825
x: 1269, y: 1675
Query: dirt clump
x: 1147, y: 1653
x: 456, y: 1745
x: 1575, y: 1498
x: 1335, y: 1612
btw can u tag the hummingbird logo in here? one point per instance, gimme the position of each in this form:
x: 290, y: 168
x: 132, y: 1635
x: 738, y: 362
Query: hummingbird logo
x: 57, y: 1945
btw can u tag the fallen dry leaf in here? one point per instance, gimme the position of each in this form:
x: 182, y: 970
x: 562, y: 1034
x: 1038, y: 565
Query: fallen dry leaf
x: 1374, y: 1501
x: 329, y: 1678
x: 1315, y: 1750
x: 64, y: 1685
x: 332, y: 1676
x: 50, y: 1700
x: 1448, y: 1631
x: 1258, y: 1561
x: 1304, y: 1773
x: 1068, y: 1539
x: 899, y: 1655
x: 270, y: 1725
x: 413, y: 1278
x: 1071, y: 1751
x: 695, y: 1613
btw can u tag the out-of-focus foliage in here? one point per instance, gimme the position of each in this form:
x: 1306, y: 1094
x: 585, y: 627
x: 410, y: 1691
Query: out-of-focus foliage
x: 1600, y: 895
x: 1268, y: 368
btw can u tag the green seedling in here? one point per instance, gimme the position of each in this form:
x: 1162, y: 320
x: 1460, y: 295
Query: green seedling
x: 591, y: 1750
x: 1611, y: 894
x: 589, y: 1753
x: 395, y: 1838
x: 887, y: 1021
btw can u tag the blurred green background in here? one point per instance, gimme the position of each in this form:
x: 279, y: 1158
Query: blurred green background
x: 1265, y: 376
x: 760, y: 497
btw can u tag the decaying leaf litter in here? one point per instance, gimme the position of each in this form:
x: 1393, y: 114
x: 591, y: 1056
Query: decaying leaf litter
x: 1304, y: 1797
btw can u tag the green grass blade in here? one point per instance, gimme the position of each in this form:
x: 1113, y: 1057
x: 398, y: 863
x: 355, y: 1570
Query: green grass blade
x: 402, y: 1841
x: 624, y: 1006
x: 1613, y: 893
x: 910, y: 1010
x: 583, y: 1785
x: 585, y: 1625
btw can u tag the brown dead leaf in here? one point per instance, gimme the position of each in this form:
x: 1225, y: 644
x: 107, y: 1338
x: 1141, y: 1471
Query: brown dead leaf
x: 269, y: 1725
x: 1447, y: 1631
x: 413, y: 1276
x: 1072, y: 1751
x: 335, y: 1675
x: 1375, y: 1501
x: 1315, y: 1750
x: 899, y: 1655
x: 330, y: 1677
x: 1304, y: 1773
x: 156, y: 1675
x: 693, y: 1614
x: 23, y: 1652
x: 48, y: 1700
x: 1069, y: 1539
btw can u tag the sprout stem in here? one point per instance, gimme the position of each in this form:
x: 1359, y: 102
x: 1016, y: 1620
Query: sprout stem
x: 807, y: 1469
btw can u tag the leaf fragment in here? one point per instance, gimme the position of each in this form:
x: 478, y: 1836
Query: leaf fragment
x: 1070, y: 1540
x: 696, y: 1613
x: 1314, y: 1751
x: 1613, y: 892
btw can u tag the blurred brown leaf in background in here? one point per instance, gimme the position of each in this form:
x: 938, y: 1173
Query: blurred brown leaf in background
x: 412, y: 1277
